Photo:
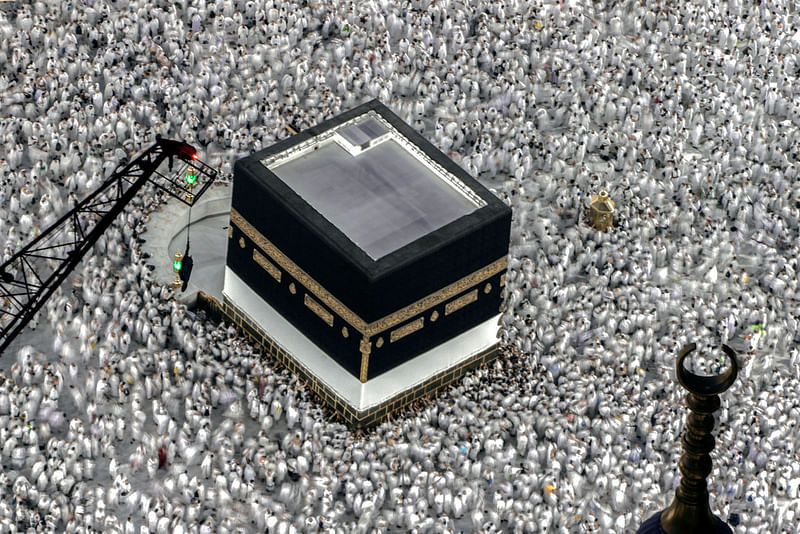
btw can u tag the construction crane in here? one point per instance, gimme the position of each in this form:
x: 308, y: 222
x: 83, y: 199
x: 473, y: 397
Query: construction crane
x: 32, y: 274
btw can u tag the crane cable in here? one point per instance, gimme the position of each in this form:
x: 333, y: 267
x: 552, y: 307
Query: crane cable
x: 188, y: 229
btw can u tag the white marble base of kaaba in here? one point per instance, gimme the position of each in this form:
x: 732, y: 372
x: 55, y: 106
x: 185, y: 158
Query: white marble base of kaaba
x: 360, y: 396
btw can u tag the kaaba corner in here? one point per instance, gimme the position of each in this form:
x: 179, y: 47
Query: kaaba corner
x: 366, y: 261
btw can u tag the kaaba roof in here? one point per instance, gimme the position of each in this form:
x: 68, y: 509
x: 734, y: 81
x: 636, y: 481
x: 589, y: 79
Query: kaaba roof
x: 372, y: 188
x: 373, y: 184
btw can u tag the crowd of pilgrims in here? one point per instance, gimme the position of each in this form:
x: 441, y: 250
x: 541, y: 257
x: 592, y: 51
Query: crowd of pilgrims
x: 135, y: 415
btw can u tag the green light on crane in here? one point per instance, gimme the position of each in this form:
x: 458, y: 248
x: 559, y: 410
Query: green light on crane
x: 191, y: 176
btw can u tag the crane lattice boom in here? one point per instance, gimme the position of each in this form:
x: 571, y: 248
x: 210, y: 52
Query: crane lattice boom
x: 33, y: 273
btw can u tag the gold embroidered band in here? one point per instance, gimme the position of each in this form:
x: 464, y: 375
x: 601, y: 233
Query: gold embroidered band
x: 404, y: 330
x: 384, y: 323
x: 460, y: 302
x: 317, y: 308
x: 267, y: 265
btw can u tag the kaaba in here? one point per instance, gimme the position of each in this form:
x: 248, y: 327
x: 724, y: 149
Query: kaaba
x: 366, y: 260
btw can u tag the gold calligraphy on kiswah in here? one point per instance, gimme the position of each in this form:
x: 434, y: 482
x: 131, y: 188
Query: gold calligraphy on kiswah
x: 317, y: 308
x: 325, y: 296
x: 406, y: 329
x: 460, y: 302
x: 267, y: 265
